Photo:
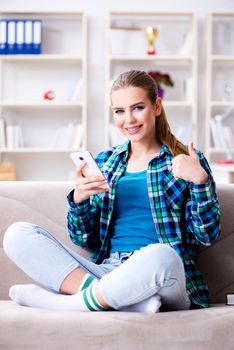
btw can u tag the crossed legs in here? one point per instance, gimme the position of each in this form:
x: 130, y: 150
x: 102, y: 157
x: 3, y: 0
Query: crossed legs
x: 152, y: 273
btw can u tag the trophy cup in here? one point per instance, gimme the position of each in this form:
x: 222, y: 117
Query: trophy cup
x: 151, y: 34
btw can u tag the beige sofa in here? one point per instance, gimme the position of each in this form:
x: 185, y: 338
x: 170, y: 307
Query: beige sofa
x: 32, y: 329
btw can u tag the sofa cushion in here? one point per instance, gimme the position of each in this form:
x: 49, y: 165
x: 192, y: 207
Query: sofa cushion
x: 211, y: 328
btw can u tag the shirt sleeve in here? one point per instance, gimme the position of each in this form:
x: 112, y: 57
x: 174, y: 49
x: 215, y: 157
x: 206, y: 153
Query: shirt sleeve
x: 203, y: 211
x: 82, y: 222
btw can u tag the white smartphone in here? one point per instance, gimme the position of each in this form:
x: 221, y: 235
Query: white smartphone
x: 91, y: 168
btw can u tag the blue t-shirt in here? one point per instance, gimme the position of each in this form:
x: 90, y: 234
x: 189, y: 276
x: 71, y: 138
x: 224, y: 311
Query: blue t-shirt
x: 132, y: 221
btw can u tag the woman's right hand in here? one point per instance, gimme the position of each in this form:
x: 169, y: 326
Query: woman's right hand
x: 86, y: 186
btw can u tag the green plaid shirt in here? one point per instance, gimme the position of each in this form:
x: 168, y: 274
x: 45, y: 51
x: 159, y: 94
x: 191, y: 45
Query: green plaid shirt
x: 185, y: 215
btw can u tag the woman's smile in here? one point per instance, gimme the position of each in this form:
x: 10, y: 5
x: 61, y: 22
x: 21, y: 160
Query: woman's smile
x: 133, y: 129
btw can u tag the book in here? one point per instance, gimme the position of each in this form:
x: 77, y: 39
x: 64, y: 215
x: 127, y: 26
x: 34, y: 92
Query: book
x: 11, y: 37
x: 230, y: 298
x: 188, y: 89
x: 10, y: 136
x: 19, y: 37
x: 77, y: 138
x: 187, y: 47
x: 2, y: 133
x: 228, y: 136
x: 37, y: 37
x: 18, y: 136
x: 64, y: 136
x: 14, y: 136
x: 28, y: 37
x: 3, y: 37
x: 215, y: 134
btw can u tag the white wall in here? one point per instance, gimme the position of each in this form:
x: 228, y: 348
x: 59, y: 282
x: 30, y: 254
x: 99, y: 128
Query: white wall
x: 97, y: 11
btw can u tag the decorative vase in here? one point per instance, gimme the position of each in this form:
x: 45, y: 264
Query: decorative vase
x: 160, y: 91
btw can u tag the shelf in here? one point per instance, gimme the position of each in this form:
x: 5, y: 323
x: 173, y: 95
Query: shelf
x: 222, y: 167
x: 150, y: 58
x: 154, y: 14
x: 221, y: 104
x: 177, y: 104
x: 37, y: 150
x: 51, y: 57
x: 222, y: 58
x: 41, y: 13
x: 220, y: 150
x: 41, y: 104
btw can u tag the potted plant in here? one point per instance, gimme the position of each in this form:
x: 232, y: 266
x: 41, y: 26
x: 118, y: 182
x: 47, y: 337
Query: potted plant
x: 160, y: 80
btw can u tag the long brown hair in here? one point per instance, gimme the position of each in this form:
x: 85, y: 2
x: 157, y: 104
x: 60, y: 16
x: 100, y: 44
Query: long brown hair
x: 141, y: 79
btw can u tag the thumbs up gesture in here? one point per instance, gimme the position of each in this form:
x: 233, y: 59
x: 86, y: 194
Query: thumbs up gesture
x: 188, y: 167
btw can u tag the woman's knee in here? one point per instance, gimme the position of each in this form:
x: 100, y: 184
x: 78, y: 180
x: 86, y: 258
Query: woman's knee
x: 14, y: 237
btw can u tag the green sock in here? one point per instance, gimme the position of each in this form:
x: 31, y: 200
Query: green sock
x: 90, y: 299
x: 87, y: 280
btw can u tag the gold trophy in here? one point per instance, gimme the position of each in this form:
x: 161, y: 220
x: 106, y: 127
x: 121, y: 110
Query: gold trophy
x: 151, y: 34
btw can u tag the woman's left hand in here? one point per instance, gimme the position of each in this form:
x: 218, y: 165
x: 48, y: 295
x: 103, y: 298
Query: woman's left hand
x: 188, y: 167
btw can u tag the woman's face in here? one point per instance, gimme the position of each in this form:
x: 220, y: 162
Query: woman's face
x: 134, y: 114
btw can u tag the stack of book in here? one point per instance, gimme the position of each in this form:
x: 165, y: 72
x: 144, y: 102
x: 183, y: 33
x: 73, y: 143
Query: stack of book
x: 20, y: 36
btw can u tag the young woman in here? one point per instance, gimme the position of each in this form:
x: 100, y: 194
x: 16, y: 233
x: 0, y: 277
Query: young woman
x: 144, y: 227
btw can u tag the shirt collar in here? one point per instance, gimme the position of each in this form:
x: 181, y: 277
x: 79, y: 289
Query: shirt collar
x: 125, y: 148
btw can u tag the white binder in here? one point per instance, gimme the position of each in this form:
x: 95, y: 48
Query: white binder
x: 19, y: 37
x: 28, y: 37
x: 11, y: 37
x: 37, y: 36
x: 3, y: 37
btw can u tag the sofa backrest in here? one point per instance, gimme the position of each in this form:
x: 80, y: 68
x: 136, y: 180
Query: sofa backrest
x: 44, y: 203
x: 217, y: 261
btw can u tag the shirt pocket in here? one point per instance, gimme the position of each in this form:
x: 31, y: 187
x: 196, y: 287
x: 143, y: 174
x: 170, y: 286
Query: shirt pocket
x: 175, y: 191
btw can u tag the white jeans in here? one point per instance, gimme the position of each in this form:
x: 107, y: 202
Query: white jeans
x: 124, y: 278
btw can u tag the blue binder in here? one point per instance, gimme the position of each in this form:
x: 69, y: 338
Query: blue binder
x: 37, y: 36
x: 28, y: 37
x: 20, y: 37
x: 11, y: 37
x: 3, y: 37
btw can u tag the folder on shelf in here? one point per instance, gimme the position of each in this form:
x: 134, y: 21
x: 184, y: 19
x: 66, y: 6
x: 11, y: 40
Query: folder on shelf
x: 20, y: 37
x: 11, y: 37
x: 37, y: 37
x: 28, y: 37
x: 3, y: 37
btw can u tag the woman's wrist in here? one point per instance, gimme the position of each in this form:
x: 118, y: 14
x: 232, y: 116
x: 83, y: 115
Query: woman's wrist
x: 201, y: 178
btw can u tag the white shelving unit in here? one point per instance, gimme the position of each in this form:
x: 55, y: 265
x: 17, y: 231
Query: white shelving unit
x: 47, y: 126
x: 176, y: 54
x: 220, y: 85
